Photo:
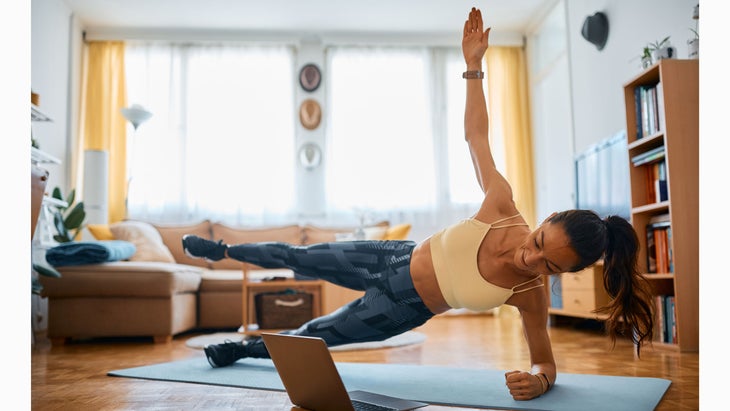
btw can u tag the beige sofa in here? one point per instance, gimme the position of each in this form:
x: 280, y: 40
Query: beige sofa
x: 160, y: 291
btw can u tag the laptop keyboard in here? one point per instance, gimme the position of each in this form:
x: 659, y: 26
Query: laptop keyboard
x: 366, y: 406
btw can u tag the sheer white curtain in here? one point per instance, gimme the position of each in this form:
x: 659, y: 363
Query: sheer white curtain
x: 395, y: 136
x: 220, y: 144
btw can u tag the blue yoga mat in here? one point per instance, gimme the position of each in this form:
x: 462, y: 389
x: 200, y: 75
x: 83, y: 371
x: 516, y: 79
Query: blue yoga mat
x: 465, y: 387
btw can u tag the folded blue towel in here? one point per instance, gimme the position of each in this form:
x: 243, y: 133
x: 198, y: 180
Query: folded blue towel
x: 89, y: 252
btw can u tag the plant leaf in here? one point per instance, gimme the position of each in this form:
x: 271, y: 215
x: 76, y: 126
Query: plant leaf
x: 75, y: 218
x: 46, y: 270
x: 57, y: 194
x: 71, y: 197
x: 59, y: 223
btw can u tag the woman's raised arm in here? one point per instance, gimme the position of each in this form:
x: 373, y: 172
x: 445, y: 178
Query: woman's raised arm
x: 476, y: 120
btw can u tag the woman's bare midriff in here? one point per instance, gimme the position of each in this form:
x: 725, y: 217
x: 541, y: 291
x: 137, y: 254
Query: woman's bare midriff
x: 424, y: 278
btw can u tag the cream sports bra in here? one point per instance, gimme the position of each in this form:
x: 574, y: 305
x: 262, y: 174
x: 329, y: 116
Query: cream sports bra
x: 454, y: 254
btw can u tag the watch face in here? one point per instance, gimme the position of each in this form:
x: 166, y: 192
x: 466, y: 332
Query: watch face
x: 310, y: 77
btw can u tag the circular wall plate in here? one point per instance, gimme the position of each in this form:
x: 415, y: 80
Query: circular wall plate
x: 310, y: 77
x: 310, y: 156
x: 310, y: 114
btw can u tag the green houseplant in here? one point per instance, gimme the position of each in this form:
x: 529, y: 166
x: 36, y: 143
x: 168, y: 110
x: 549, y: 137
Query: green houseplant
x: 69, y: 218
x: 68, y: 221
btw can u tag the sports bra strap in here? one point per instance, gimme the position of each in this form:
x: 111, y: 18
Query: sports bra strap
x: 494, y: 224
x: 526, y: 282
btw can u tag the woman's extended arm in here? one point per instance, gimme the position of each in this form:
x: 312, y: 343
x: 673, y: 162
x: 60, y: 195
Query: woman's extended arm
x: 498, y: 200
x: 476, y: 120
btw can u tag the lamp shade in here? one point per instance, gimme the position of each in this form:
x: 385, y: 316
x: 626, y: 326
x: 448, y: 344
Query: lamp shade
x: 136, y: 115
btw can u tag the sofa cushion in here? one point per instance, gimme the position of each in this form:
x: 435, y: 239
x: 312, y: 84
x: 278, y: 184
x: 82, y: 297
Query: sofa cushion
x: 291, y: 234
x: 123, y: 279
x: 221, y: 280
x: 145, y: 238
x: 172, y: 238
x: 314, y: 234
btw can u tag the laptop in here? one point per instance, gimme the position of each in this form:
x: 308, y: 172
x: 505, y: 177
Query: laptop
x: 312, y: 381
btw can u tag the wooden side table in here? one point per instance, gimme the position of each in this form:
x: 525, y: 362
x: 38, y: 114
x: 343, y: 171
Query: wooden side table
x: 251, y: 288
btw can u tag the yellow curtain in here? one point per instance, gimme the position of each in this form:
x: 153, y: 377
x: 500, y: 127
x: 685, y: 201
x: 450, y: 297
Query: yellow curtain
x: 510, y: 111
x: 102, y: 125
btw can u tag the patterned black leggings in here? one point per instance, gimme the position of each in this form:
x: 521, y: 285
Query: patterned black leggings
x: 390, y: 305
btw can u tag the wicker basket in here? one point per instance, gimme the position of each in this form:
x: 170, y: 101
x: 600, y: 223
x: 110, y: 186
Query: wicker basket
x: 283, y: 309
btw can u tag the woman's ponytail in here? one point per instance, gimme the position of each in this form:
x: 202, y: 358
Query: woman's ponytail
x: 631, y: 308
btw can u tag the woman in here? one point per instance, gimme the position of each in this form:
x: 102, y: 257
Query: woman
x: 479, y: 263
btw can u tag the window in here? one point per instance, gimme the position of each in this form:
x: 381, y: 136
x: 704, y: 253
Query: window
x: 396, y: 133
x: 223, y: 123
x: 380, y: 137
x: 223, y: 140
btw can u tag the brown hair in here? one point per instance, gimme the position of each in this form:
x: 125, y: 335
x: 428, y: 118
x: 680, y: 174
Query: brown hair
x: 631, y: 309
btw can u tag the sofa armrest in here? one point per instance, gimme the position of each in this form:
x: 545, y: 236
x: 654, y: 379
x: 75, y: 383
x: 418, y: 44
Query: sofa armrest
x: 123, y: 278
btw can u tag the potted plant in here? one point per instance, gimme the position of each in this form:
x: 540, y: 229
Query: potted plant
x: 662, y: 50
x: 646, y: 59
x: 68, y: 218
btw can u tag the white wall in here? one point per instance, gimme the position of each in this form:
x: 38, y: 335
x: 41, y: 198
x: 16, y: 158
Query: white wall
x: 50, y: 50
x: 598, y: 76
x: 55, y: 75
x: 550, y: 109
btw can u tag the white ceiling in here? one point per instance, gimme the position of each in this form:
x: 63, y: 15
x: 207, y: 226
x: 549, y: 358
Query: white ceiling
x: 400, y: 16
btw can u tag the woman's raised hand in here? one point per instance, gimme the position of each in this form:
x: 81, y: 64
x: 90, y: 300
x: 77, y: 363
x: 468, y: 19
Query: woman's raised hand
x: 476, y: 40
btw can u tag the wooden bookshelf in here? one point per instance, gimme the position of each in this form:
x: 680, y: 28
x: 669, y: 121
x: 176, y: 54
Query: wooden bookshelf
x: 677, y: 130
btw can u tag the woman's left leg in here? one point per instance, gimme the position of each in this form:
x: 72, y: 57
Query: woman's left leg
x: 388, y: 308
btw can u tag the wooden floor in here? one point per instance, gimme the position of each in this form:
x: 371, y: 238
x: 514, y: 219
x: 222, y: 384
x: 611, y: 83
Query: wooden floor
x: 73, y: 376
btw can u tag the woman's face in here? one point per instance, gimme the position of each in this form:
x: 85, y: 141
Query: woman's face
x: 546, y: 251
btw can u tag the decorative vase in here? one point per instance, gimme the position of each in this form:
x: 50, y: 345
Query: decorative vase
x: 666, y: 52
x: 646, y: 62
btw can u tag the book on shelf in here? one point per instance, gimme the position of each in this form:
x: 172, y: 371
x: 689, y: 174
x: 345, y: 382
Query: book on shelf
x: 660, y: 106
x: 658, y: 246
x: 659, y: 321
x: 661, y: 192
x: 637, y: 113
x: 649, y: 108
x: 648, y: 156
x: 670, y: 320
x: 657, y: 189
x: 666, y: 319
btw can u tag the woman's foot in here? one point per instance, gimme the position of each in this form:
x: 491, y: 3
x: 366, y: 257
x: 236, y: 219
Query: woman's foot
x: 197, y: 247
x: 223, y: 355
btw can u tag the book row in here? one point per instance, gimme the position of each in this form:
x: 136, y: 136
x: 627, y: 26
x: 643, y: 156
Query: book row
x: 656, y: 181
x: 666, y: 319
x: 649, y: 105
x: 659, y: 249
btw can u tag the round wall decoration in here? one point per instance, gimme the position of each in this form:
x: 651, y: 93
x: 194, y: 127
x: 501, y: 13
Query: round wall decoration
x: 310, y: 155
x: 310, y: 77
x: 310, y: 114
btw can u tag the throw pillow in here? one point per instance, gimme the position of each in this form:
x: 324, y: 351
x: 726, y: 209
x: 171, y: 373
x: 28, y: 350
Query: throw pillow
x: 172, y: 238
x: 100, y: 232
x: 145, y: 238
x: 398, y: 232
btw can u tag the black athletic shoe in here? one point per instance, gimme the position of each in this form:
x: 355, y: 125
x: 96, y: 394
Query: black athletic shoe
x: 223, y: 355
x: 197, y: 247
